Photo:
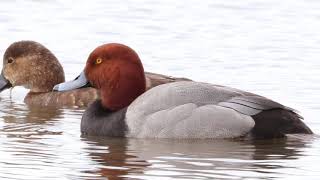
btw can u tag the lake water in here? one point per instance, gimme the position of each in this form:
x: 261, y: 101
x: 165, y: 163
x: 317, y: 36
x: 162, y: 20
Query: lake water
x: 267, y: 47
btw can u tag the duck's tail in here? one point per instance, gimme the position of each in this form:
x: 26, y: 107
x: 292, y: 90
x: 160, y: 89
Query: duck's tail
x: 275, y: 123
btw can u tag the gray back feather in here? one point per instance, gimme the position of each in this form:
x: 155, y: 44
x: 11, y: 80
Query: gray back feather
x: 186, y: 110
x: 190, y: 109
x: 178, y: 93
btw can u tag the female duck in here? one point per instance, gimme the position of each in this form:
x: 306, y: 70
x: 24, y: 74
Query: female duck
x: 183, y: 109
x: 30, y: 64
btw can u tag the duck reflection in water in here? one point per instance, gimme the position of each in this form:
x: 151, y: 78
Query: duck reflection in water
x: 25, y: 121
x: 168, y: 158
x: 117, y: 161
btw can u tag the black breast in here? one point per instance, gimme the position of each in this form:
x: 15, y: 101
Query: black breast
x: 99, y: 121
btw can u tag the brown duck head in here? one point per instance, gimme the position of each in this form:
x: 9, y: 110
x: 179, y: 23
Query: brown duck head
x: 116, y: 71
x: 31, y: 65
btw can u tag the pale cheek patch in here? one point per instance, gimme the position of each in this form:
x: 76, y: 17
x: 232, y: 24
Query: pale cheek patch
x: 10, y: 75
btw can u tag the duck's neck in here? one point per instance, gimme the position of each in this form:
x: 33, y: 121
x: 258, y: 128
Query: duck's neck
x: 122, y: 93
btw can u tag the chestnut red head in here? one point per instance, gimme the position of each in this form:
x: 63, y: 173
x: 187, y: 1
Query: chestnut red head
x: 116, y: 70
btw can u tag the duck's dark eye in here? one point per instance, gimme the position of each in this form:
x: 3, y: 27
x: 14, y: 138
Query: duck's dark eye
x: 10, y: 60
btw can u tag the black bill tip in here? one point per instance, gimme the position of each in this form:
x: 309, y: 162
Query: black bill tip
x: 4, y: 83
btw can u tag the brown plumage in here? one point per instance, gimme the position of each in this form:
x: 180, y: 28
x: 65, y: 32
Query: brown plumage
x: 80, y: 97
x: 115, y: 82
x: 30, y: 64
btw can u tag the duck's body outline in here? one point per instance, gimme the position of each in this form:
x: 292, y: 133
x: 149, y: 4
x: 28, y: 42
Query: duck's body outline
x: 175, y: 110
x: 141, y: 119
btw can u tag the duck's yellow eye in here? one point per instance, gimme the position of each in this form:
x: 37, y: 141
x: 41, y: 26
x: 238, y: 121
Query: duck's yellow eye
x: 98, y: 61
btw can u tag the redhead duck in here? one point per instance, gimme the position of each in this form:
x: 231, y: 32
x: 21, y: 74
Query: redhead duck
x: 184, y: 109
x: 32, y: 65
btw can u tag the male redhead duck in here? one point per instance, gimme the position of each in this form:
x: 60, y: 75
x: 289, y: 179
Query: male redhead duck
x: 32, y: 65
x: 180, y: 110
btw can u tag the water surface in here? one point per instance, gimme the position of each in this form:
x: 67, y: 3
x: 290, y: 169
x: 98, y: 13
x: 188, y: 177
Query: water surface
x: 267, y: 47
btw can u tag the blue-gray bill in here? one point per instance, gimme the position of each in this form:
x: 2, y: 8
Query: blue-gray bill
x: 4, y: 83
x: 79, y: 82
